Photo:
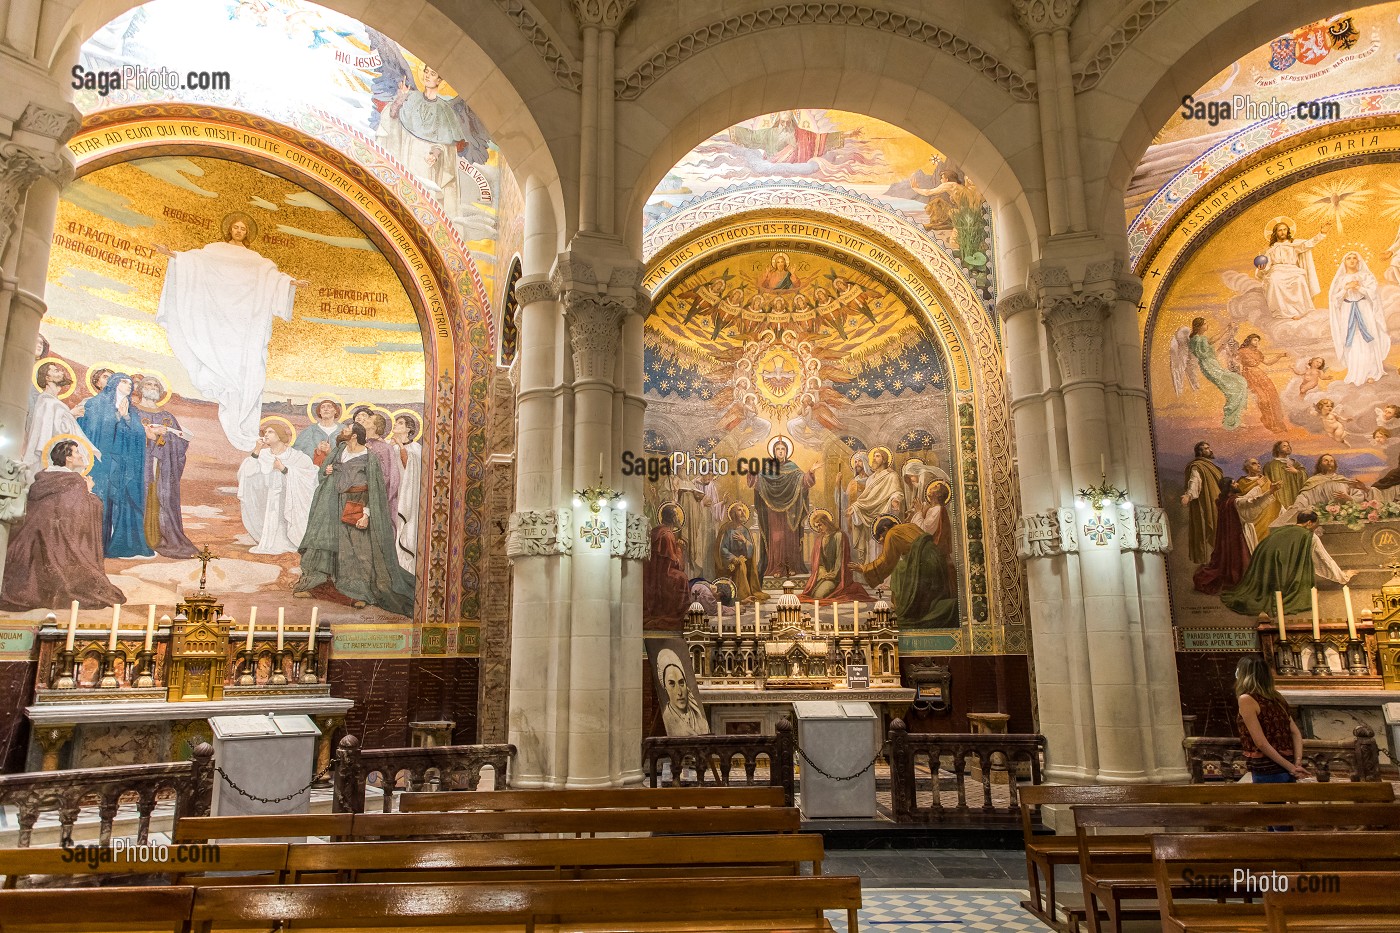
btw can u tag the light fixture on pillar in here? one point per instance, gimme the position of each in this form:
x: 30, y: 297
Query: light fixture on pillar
x: 1096, y: 496
x: 595, y: 528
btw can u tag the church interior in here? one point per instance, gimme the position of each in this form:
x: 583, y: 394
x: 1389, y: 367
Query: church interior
x: 933, y: 461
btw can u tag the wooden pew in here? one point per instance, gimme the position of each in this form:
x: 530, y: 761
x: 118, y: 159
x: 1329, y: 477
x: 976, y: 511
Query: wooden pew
x: 1045, y: 852
x: 677, y: 904
x: 604, y: 799
x: 264, y: 863
x: 1211, y: 858
x: 90, y: 910
x: 543, y: 859
x: 733, y: 821
x: 1110, y: 877
x: 1366, y: 901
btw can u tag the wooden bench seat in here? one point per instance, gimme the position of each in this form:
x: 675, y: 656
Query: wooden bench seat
x: 1190, y: 868
x: 256, y: 863
x: 733, y: 821
x: 1045, y: 852
x: 604, y: 799
x: 1108, y: 882
x: 653, y: 856
x: 758, y: 904
x: 96, y: 910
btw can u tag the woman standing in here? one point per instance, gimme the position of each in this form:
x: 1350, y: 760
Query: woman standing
x: 1252, y: 362
x: 1231, y: 385
x: 1359, y: 333
x: 1272, y: 744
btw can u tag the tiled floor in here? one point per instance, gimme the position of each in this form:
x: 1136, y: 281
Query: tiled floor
x: 923, y: 910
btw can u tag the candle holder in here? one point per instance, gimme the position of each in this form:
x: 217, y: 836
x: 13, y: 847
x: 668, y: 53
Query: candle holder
x: 1287, y: 659
x: 67, y: 661
x: 109, y: 670
x: 249, y: 660
x: 145, y: 663
x: 1358, y: 662
x: 278, y: 678
x: 308, y: 667
x: 1319, y: 667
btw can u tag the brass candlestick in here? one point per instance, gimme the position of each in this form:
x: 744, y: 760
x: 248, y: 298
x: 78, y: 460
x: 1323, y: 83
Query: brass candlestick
x: 67, y: 661
x: 145, y: 663
x: 1319, y: 667
x: 1358, y: 662
x: 109, y: 670
x: 278, y: 678
x: 1287, y: 659
x: 249, y: 659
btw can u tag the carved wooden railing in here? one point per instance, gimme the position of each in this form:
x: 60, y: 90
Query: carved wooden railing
x: 711, y: 759
x: 444, y: 767
x: 996, y: 762
x: 191, y: 783
x: 1221, y: 759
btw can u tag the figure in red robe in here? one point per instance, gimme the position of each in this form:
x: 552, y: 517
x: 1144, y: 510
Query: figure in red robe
x: 831, y: 563
x: 1230, y: 558
x: 55, y: 553
x: 665, y: 586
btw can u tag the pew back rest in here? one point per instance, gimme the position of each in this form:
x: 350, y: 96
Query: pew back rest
x: 185, y: 862
x: 1346, y: 900
x: 710, y: 899
x: 603, y: 799
x: 1381, y: 816
x: 204, y: 828
x: 80, y: 910
x: 1035, y: 796
x: 712, y: 855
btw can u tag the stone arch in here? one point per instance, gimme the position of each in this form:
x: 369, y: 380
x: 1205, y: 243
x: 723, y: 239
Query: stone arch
x: 506, y: 88
x: 940, y: 99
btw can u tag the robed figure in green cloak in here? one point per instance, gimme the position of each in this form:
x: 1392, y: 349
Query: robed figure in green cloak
x: 925, y: 596
x: 348, y: 551
x: 1282, y: 562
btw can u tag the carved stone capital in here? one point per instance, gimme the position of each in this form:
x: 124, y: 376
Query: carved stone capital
x: 1076, y: 324
x: 535, y: 288
x: 538, y: 534
x: 1041, y: 16
x: 1143, y: 528
x: 14, y: 486
x: 1013, y: 304
x: 637, y: 545
x: 58, y: 125
x: 1112, y: 280
x: 601, y: 14
x: 1046, y: 534
x: 595, y: 332
x: 20, y: 167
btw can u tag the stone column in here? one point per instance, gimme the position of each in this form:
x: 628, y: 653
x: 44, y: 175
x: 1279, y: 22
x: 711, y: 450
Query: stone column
x: 1047, y: 25
x: 1105, y: 672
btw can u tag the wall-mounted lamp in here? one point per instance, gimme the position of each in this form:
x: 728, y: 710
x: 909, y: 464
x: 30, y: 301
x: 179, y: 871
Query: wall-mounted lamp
x: 598, y: 495
x: 1096, y: 496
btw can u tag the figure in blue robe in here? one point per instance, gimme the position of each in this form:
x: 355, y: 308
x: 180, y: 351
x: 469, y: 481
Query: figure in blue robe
x: 112, y: 423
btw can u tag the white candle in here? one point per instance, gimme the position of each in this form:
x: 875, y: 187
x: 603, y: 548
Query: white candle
x: 1351, y: 614
x: 1282, y: 632
x: 855, y: 622
x: 72, y: 625
x: 835, y: 616
x: 116, y: 620
x: 1103, y: 469
x: 311, y: 635
x: 252, y: 620
x: 755, y: 618
x: 281, y: 626
x: 1317, y: 625
x: 150, y: 627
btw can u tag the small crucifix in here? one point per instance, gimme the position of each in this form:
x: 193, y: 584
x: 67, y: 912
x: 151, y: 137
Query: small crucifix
x: 204, y: 557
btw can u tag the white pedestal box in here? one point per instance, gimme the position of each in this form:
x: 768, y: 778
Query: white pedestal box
x: 270, y: 756
x: 841, y: 738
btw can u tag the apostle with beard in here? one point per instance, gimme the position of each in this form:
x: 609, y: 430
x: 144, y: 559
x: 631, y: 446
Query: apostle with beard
x: 1327, y: 484
x: 276, y: 483
x: 49, y: 417
x: 1230, y: 556
x: 665, y: 587
x: 879, y: 495
x: 1202, y: 492
x: 925, y: 596
x: 347, y: 553
x: 736, y: 555
x: 1256, y: 503
x: 54, y: 555
x: 781, y: 504
x: 1286, y: 473
x: 831, y: 562
x: 166, y: 448
x: 119, y: 476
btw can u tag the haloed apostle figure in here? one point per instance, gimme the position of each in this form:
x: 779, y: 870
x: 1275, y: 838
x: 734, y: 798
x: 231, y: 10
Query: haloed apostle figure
x: 318, y: 438
x: 782, y: 507
x: 409, y: 454
x: 347, y: 553
x: 166, y: 448
x: 737, y: 555
x: 49, y: 415
x: 115, y: 428
x: 665, y: 584
x: 1288, y: 561
x: 276, y: 483
x: 925, y: 596
x: 879, y: 495
x: 831, y: 562
x: 55, y: 552
x: 217, y: 308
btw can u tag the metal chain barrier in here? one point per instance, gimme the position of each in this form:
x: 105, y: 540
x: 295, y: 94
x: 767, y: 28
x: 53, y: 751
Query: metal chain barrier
x: 325, y: 772
x: 831, y: 777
